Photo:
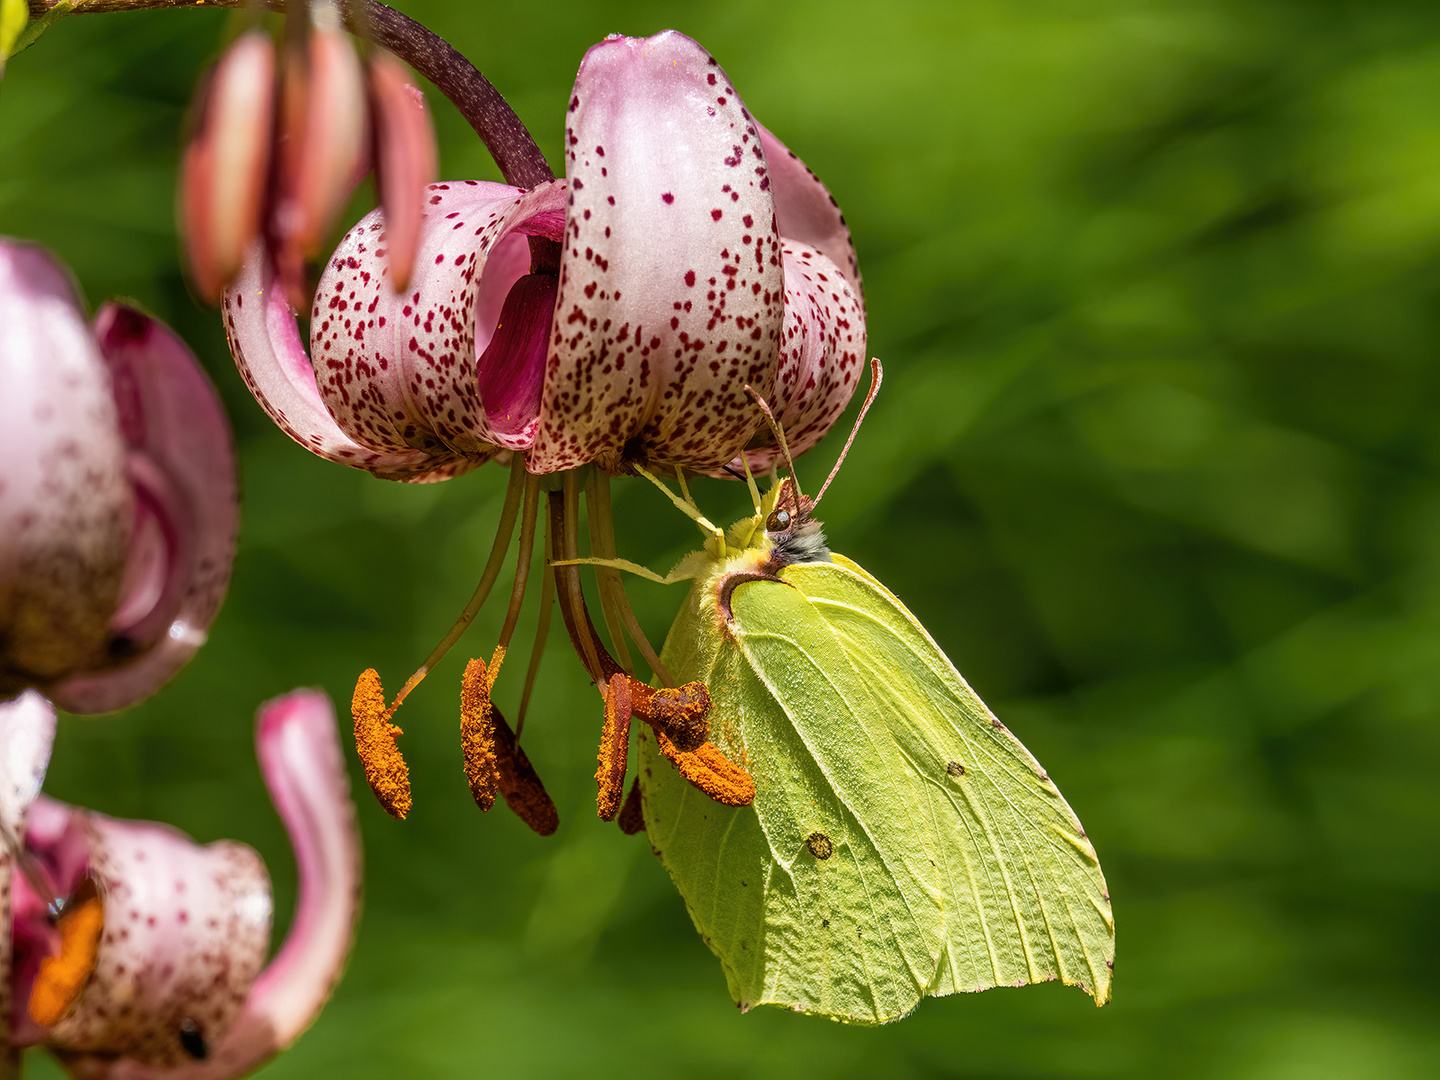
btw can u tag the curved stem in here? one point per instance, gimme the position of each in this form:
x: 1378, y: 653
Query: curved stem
x: 499, y: 128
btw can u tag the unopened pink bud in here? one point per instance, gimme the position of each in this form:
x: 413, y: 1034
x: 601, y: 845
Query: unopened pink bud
x: 323, y: 142
x: 405, y: 160
x: 227, y: 162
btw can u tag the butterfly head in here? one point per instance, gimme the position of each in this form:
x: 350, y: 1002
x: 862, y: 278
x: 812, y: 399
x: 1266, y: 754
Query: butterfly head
x: 794, y: 536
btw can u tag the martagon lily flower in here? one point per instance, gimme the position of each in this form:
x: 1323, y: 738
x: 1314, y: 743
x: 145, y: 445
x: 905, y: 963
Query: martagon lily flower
x: 615, y: 321
x: 131, y: 951
x: 117, y: 502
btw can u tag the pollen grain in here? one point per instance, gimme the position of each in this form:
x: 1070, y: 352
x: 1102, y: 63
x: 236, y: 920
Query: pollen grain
x: 614, y: 747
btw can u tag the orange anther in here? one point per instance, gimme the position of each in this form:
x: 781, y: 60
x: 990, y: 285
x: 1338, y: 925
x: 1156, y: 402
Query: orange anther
x: 710, y: 771
x: 632, y: 815
x: 614, y: 746
x: 385, y: 767
x: 477, y: 733
x: 520, y: 784
x: 680, y: 712
x: 61, y: 979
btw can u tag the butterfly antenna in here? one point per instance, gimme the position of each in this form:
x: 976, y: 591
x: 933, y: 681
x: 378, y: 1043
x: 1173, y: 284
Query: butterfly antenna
x: 779, y: 433
x: 876, y: 374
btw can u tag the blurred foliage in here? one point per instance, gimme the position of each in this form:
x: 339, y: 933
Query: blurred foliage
x: 1156, y: 463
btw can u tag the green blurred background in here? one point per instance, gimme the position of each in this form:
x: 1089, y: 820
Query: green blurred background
x: 1157, y: 287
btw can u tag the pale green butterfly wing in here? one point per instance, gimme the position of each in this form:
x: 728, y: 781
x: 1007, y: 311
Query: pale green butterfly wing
x: 1028, y: 901
x: 849, y: 717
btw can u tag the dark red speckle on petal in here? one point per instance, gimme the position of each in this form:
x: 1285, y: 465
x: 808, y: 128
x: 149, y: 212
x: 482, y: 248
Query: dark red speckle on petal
x: 667, y: 198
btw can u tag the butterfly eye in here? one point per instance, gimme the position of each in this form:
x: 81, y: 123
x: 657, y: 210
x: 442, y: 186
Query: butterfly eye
x: 779, y: 521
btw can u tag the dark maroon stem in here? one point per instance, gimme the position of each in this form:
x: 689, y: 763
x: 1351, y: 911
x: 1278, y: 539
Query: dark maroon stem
x: 507, y: 139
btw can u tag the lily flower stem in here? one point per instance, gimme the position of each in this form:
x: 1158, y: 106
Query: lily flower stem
x: 602, y: 546
x: 507, y: 139
x: 542, y: 634
x: 505, y: 530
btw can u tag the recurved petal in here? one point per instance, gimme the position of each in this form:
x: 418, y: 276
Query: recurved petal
x: 265, y: 342
x: 182, y: 466
x: 65, y: 502
x: 821, y: 359
x: 806, y: 211
x: 412, y: 369
x: 671, y: 293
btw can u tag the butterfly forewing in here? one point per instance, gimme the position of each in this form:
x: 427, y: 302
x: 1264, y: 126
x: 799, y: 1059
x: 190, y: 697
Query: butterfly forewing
x: 1027, y: 899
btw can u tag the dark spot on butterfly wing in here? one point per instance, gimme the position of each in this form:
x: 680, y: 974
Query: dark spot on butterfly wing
x: 820, y: 845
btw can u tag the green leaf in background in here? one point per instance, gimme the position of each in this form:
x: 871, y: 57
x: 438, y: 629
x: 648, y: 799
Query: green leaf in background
x: 902, y: 843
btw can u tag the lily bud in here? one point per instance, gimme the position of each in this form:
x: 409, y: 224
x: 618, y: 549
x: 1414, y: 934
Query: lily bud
x: 226, y: 166
x: 405, y: 159
x: 322, y: 142
x: 118, y: 507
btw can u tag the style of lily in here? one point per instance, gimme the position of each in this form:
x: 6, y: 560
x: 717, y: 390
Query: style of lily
x: 619, y: 320
x: 118, y: 506
x: 131, y: 951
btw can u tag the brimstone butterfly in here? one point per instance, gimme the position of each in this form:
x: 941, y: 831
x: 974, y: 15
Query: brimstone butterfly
x: 902, y: 842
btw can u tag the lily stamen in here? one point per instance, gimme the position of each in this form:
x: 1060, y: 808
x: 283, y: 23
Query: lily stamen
x: 632, y: 814
x: 385, y: 768
x: 62, y: 978
x: 477, y: 729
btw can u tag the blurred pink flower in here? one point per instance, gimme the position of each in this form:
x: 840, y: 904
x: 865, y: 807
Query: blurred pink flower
x: 175, y: 985
x: 117, y: 499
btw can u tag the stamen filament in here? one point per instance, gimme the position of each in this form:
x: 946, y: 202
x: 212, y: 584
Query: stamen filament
x: 519, y: 480
x: 542, y: 634
x: 522, y: 559
x: 566, y: 533
x: 602, y: 544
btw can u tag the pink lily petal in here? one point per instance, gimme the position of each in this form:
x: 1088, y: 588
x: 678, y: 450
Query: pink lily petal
x: 186, y: 931
x: 821, y: 360
x: 414, y: 369
x: 805, y: 209
x: 182, y: 465
x: 176, y: 993
x: 265, y: 341
x: 405, y: 159
x: 66, y: 508
x: 671, y: 290
x: 227, y: 162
